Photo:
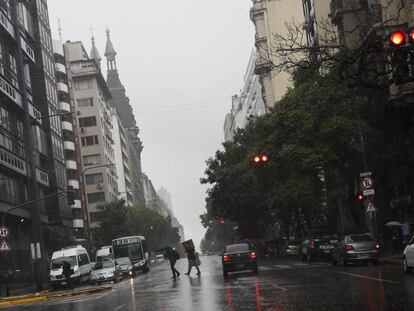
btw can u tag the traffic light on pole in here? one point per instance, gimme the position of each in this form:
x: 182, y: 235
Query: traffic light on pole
x: 360, y: 197
x: 70, y: 192
x: 401, y: 43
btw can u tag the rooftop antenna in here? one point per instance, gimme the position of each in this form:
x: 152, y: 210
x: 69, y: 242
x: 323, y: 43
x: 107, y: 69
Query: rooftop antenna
x: 60, y: 30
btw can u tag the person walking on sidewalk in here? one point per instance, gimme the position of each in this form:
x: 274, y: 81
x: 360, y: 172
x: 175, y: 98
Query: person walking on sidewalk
x: 67, y: 272
x: 193, y: 260
x: 173, y: 256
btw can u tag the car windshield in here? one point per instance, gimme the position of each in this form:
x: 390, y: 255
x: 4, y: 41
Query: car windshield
x: 360, y: 238
x: 237, y: 248
x: 104, y: 265
x: 58, y: 262
x: 123, y: 261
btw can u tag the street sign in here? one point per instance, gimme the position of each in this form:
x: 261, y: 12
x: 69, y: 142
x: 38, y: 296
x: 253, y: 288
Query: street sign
x: 4, y: 246
x: 4, y: 232
x: 369, y: 192
x: 371, y: 207
x: 367, y: 183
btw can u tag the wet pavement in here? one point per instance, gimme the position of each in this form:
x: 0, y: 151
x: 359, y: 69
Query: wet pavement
x: 280, y: 285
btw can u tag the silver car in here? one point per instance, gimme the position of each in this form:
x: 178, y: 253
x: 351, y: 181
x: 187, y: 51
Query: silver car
x: 356, y: 248
x: 106, y: 271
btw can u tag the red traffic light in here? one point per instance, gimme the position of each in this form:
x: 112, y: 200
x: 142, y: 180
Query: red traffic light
x: 360, y: 197
x: 397, y: 38
x: 151, y: 227
x: 222, y: 221
x: 260, y: 159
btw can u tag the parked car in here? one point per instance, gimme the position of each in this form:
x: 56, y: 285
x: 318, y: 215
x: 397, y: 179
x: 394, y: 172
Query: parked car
x: 318, y: 245
x: 408, y: 256
x: 239, y: 257
x: 291, y: 248
x: 126, y: 266
x: 159, y: 258
x: 78, y: 258
x: 106, y: 271
x: 356, y: 248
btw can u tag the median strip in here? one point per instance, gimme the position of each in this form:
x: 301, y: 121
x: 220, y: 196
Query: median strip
x: 50, y: 296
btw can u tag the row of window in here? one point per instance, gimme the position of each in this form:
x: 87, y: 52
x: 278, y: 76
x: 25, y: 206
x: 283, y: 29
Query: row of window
x: 85, y: 103
x: 45, y: 37
x: 58, y: 150
x: 48, y: 65
x: 25, y: 18
x: 84, y: 84
x: 87, y: 121
x: 51, y: 92
x: 12, y: 145
x: 96, y: 197
x: 94, y: 159
x: 12, y: 190
x: 89, y: 140
x: 42, y: 10
x: 11, y: 123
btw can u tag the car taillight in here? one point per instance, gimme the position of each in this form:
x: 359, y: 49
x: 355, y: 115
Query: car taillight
x: 312, y: 243
x: 376, y: 246
x: 252, y: 255
x: 226, y: 258
x: 349, y: 247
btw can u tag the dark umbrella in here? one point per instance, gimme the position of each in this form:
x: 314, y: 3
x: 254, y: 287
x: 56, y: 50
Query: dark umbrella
x: 58, y: 262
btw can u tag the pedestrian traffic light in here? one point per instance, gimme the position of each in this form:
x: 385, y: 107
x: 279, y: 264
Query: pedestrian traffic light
x: 260, y: 159
x: 70, y: 192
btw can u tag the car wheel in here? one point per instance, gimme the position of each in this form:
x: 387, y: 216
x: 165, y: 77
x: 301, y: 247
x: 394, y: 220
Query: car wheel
x: 407, y: 269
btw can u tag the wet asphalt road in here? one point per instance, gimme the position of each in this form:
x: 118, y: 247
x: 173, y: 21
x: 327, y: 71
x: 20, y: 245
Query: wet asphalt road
x: 280, y: 285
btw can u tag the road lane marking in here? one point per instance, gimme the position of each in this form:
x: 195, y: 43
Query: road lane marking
x: 369, y: 278
x: 119, y: 307
x: 282, y: 266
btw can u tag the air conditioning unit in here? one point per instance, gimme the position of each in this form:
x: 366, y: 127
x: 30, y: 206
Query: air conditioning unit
x: 78, y: 112
x: 99, y: 186
x: 82, y: 130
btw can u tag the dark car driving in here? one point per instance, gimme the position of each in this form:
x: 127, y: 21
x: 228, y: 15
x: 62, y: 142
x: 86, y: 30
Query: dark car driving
x: 239, y: 257
x: 318, y: 245
x: 356, y: 248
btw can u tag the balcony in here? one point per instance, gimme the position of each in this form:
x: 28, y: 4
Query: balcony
x: 74, y: 183
x: 60, y: 68
x: 77, y: 204
x: 69, y: 145
x: 78, y: 223
x: 64, y: 106
x: 67, y: 126
x: 42, y: 177
x: 27, y: 49
x: 11, y: 161
x: 62, y: 87
x: 71, y: 165
x: 7, y: 25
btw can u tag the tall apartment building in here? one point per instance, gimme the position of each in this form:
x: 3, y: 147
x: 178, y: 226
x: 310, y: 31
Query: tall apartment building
x: 121, y: 103
x: 91, y: 96
x: 249, y: 103
x: 121, y: 148
x: 32, y: 157
x: 165, y: 196
x: 270, y: 18
x: 71, y: 143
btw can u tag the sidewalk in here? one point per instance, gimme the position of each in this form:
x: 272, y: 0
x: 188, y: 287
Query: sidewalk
x: 50, y: 295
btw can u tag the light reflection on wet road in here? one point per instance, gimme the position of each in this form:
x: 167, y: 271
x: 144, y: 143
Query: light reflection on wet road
x: 280, y: 286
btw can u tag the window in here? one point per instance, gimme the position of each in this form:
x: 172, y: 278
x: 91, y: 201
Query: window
x: 84, y: 84
x: 83, y: 260
x: 94, y: 159
x: 87, y: 122
x: 90, y: 140
x: 96, y: 197
x: 95, y: 217
x: 85, y: 102
x: 94, y: 179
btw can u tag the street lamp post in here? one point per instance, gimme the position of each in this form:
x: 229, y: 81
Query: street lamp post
x: 82, y: 175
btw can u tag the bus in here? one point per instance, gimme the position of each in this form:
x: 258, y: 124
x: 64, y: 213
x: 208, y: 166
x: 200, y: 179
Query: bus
x: 135, y: 248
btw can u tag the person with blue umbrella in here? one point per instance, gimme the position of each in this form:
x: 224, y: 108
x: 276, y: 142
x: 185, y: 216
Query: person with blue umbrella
x: 172, y: 256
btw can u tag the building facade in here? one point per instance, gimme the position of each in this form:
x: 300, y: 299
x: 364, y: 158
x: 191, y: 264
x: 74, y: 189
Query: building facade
x: 71, y: 144
x: 121, y: 103
x: 269, y: 18
x: 246, y: 105
x: 91, y: 96
x: 317, y: 21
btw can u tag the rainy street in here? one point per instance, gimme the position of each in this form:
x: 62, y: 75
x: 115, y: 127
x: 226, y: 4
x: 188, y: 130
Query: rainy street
x: 280, y: 285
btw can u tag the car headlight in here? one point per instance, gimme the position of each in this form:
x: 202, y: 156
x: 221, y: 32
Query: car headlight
x: 110, y: 274
x: 130, y: 272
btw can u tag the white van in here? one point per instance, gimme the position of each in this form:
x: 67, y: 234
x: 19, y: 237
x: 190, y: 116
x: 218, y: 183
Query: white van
x: 80, y: 263
x: 105, y: 253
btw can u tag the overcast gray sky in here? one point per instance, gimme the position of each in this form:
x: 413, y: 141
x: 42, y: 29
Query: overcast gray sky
x: 180, y: 61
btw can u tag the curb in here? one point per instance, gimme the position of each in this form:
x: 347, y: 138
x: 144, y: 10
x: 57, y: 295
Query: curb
x: 52, y: 296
